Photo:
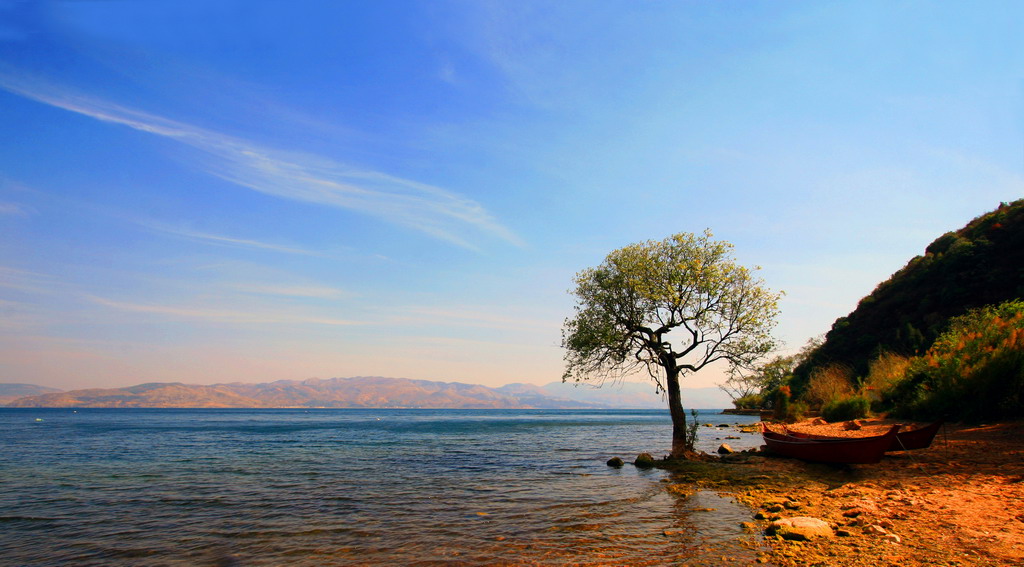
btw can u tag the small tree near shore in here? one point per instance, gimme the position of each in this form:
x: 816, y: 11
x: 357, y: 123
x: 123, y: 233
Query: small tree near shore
x: 670, y: 307
x: 752, y: 390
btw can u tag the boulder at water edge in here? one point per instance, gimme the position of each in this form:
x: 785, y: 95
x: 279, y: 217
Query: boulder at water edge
x: 615, y: 462
x: 800, y: 528
x: 725, y: 449
x: 644, y: 461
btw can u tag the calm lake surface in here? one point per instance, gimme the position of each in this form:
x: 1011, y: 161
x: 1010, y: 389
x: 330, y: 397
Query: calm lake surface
x: 354, y: 487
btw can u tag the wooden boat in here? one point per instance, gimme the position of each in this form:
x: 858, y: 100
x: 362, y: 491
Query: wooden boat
x: 841, y: 450
x: 906, y: 439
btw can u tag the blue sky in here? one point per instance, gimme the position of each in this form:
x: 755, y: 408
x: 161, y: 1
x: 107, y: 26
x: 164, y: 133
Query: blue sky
x: 249, y: 191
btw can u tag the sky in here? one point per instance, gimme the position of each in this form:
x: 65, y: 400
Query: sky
x: 208, y: 192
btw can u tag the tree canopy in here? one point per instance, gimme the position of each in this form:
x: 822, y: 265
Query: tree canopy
x: 670, y: 308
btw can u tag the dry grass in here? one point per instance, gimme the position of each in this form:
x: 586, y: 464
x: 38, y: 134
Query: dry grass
x: 829, y: 383
x: 885, y: 371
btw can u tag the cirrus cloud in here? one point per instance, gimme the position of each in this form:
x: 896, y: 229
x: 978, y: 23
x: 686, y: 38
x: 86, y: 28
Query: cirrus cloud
x: 432, y: 210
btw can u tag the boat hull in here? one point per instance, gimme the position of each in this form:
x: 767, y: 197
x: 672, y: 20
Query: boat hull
x: 851, y: 451
x: 907, y: 440
x: 916, y: 439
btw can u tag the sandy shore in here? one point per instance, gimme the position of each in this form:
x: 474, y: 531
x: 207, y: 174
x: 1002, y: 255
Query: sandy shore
x: 960, y: 502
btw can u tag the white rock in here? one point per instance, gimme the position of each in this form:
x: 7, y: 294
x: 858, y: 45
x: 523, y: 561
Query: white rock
x: 800, y: 528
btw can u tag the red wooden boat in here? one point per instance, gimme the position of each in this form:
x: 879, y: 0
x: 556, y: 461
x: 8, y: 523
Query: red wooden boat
x: 842, y: 450
x: 906, y: 439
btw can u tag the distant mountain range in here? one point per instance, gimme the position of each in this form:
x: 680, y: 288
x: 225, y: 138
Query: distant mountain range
x: 11, y: 392
x: 358, y: 392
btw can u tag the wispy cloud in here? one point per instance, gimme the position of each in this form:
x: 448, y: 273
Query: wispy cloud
x: 300, y: 177
x: 218, y: 315
x: 315, y: 292
x: 476, y: 318
x: 27, y: 281
x: 17, y: 317
x: 220, y: 239
x: 13, y: 209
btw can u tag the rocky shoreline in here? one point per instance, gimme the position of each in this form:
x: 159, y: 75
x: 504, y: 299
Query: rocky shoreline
x: 960, y: 502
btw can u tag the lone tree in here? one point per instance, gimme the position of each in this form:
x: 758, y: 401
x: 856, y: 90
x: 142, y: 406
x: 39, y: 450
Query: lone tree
x: 671, y: 307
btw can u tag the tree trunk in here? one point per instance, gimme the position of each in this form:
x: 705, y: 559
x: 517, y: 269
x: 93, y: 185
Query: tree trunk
x: 675, y: 409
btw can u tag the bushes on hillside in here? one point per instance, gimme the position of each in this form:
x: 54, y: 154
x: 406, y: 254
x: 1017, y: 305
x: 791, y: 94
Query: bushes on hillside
x: 844, y: 409
x: 974, y: 371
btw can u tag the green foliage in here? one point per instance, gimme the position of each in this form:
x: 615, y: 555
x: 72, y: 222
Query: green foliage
x: 781, y: 403
x: 750, y: 401
x: 980, y: 264
x: 629, y: 306
x: 691, y: 430
x: 844, y: 409
x: 974, y: 371
x: 776, y: 372
x: 797, y: 411
x: 785, y: 409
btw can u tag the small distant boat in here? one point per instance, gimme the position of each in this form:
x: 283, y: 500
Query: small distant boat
x: 906, y: 439
x: 839, y: 450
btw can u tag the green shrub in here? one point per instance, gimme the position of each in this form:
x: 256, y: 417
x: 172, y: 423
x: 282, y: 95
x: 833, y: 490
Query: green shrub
x: 845, y: 409
x: 797, y: 411
x: 750, y: 401
x: 780, y: 405
x: 691, y: 430
x: 786, y: 410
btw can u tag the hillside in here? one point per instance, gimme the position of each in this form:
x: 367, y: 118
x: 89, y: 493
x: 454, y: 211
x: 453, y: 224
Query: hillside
x: 11, y: 392
x: 977, y: 265
x: 357, y: 392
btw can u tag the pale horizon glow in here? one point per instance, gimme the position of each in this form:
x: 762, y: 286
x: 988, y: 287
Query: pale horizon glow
x: 241, y: 192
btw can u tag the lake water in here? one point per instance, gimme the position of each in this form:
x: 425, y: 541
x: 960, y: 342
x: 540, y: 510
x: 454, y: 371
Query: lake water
x: 354, y: 487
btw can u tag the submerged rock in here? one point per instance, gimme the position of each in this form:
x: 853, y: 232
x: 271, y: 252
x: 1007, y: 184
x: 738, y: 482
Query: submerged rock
x: 684, y: 490
x: 800, y: 528
x: 615, y: 462
x: 644, y: 461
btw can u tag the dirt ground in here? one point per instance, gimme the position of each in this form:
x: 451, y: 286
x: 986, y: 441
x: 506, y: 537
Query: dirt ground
x: 960, y: 502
